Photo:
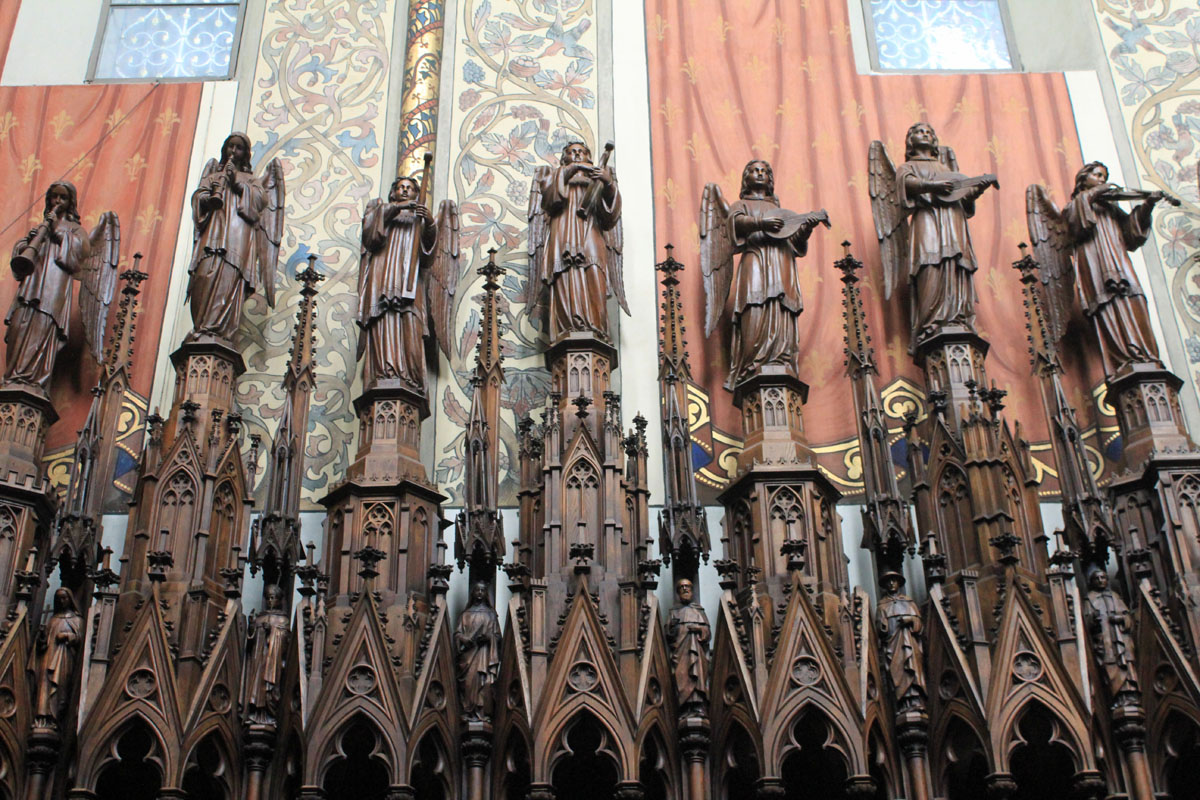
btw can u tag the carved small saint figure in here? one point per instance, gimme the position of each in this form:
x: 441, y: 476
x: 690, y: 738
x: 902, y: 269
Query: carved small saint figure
x: 44, y: 261
x: 477, y: 642
x: 688, y: 634
x: 921, y: 210
x: 54, y: 658
x: 766, y: 297
x: 575, y: 244
x: 267, y: 644
x: 407, y: 278
x: 239, y: 225
x: 1110, y: 629
x: 899, y: 621
x: 1100, y: 236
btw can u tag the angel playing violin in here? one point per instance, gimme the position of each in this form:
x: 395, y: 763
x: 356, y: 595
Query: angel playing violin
x: 1100, y: 236
x: 575, y: 244
x: 239, y: 225
x: 407, y: 279
x: 921, y: 210
x: 766, y: 300
x: 44, y: 261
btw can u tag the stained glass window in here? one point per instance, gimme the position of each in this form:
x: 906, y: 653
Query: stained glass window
x: 151, y: 39
x: 913, y: 35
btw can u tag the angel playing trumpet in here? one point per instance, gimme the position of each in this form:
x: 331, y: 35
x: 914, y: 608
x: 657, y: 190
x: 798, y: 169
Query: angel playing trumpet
x: 766, y: 300
x: 407, y: 280
x: 1098, y: 235
x: 921, y: 210
x: 239, y: 225
x: 45, y: 261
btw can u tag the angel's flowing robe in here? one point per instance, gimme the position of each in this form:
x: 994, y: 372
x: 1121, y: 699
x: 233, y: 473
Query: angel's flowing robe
x: 766, y: 296
x: 477, y: 640
x: 941, y: 261
x: 37, y: 318
x: 1109, y: 290
x: 224, y: 267
x: 575, y: 258
x: 392, y: 336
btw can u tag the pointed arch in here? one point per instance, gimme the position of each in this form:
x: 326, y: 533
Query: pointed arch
x: 1175, y: 754
x: 815, y: 760
x: 956, y: 516
x: 358, y: 763
x: 585, y: 760
x: 737, y: 768
x: 657, y: 771
x: 1041, y: 758
x: 132, y: 765
x: 430, y: 772
x: 210, y: 770
x: 959, y: 760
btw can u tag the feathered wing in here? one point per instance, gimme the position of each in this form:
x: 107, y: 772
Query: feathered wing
x: 1052, y: 247
x: 270, y: 230
x: 98, y: 281
x: 891, y: 220
x: 538, y: 230
x: 716, y: 254
x: 443, y: 276
x: 947, y: 157
x: 615, y: 239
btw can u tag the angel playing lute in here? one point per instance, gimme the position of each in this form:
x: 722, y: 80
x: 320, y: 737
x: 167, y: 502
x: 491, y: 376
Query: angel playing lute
x: 239, y: 225
x: 766, y: 299
x: 407, y: 280
x: 921, y: 210
x: 1098, y: 236
x: 45, y: 261
x: 575, y: 244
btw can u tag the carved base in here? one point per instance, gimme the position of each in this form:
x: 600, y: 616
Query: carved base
x: 389, y: 437
x: 772, y: 405
x: 950, y: 358
x: 206, y: 373
x: 25, y: 416
x: 1146, y: 399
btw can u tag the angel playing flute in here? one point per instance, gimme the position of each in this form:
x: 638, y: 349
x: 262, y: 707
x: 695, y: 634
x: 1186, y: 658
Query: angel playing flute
x: 921, y: 210
x: 766, y: 300
x: 45, y: 261
x: 1100, y: 236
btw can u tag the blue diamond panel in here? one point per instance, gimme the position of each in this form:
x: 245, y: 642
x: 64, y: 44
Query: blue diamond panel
x: 940, y: 34
x: 167, y: 40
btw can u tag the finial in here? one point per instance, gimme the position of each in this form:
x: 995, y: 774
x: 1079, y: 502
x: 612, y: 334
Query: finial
x: 669, y: 267
x: 309, y: 276
x: 491, y: 271
x: 581, y: 404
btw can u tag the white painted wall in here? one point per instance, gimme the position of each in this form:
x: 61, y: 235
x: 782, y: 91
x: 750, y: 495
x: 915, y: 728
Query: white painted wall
x: 52, y: 42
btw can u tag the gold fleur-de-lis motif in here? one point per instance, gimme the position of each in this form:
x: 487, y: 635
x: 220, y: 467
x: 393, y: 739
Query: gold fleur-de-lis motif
x: 30, y: 166
x: 788, y: 110
x: 115, y: 120
x: 764, y: 145
x: 968, y: 107
x: 780, y: 29
x: 696, y: 147
x: 660, y: 27
x: 720, y: 27
x: 914, y: 109
x: 7, y: 122
x: 1063, y: 148
x: 89, y: 220
x: 727, y: 109
x: 756, y: 67
x: 855, y: 111
x: 670, y: 192
x: 1013, y: 105
x: 997, y: 148
x: 693, y: 234
x: 993, y: 282
x: 895, y: 350
x: 799, y: 185
x: 134, y: 166
x: 841, y: 32
x: 165, y: 120
x: 692, y: 68
x: 670, y: 112
x: 148, y: 219
x: 82, y: 165
x: 824, y: 143
x: 733, y: 179
x: 858, y: 180
x: 1016, y: 230
x: 811, y: 68
x: 60, y: 122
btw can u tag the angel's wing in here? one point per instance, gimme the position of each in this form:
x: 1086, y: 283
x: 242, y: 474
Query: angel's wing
x: 1052, y: 247
x: 615, y: 239
x: 443, y: 276
x: 98, y: 280
x: 716, y: 254
x: 270, y: 230
x: 891, y: 219
x: 538, y: 229
x: 947, y: 157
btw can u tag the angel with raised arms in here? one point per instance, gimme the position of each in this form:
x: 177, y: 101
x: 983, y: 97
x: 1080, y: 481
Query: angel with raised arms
x: 575, y: 244
x: 1099, y: 236
x: 44, y: 261
x: 239, y: 225
x: 766, y: 298
x: 407, y: 279
x: 921, y: 210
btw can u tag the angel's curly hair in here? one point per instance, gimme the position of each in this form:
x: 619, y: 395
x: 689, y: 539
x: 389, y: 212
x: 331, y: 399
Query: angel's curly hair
x: 416, y: 184
x: 562, y: 159
x: 908, y: 148
x: 1082, y: 174
x: 770, y: 178
x: 72, y: 210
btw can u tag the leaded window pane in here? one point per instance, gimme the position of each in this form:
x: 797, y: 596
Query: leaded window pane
x: 167, y: 40
x: 940, y: 34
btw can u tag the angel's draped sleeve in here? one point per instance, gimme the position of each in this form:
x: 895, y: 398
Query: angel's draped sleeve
x: 48, y: 287
x: 1104, y: 235
x: 937, y: 231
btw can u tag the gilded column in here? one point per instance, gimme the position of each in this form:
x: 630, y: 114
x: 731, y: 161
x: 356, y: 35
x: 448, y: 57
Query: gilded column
x: 422, y: 77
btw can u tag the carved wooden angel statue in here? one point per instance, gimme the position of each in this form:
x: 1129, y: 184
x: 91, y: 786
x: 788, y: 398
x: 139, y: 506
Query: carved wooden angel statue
x: 239, y: 225
x: 575, y: 244
x: 921, y: 210
x: 44, y: 261
x: 406, y: 284
x: 766, y: 300
x: 1100, y: 236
